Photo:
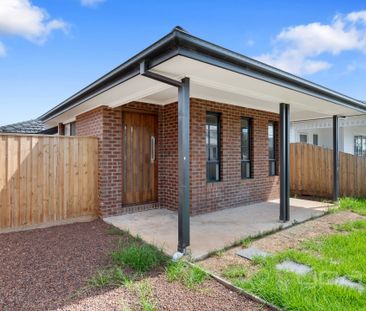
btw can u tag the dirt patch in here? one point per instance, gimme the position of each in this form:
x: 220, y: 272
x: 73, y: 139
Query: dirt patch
x: 46, y: 269
x: 279, y: 241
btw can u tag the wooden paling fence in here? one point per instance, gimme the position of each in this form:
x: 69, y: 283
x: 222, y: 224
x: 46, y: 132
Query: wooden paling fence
x: 312, y: 172
x: 47, y: 179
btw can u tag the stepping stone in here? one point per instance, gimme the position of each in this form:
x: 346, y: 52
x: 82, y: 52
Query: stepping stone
x: 294, y: 267
x: 342, y: 281
x: 251, y: 252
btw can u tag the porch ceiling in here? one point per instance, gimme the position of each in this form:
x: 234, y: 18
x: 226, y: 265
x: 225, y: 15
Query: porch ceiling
x: 211, y: 83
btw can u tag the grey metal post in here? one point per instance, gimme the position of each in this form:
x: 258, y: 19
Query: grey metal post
x: 284, y: 162
x: 335, y: 158
x: 183, y: 164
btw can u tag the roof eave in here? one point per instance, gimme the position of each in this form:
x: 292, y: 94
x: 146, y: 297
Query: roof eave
x: 179, y: 42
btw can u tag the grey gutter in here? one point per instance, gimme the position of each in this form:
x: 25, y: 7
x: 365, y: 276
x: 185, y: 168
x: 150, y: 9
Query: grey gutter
x: 179, y: 42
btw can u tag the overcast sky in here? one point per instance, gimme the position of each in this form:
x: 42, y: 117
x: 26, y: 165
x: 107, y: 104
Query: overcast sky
x: 51, y: 49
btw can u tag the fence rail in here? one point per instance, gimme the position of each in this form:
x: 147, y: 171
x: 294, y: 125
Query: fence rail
x: 47, y: 179
x: 312, y: 172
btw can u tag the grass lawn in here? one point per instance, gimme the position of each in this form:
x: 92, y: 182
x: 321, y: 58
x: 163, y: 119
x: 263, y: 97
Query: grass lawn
x: 337, y: 255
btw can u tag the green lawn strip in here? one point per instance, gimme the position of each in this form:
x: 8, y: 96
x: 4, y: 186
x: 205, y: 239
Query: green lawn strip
x: 356, y: 205
x: 332, y: 256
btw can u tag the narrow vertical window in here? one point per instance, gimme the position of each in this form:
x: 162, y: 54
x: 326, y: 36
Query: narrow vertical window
x: 246, y: 166
x: 271, y: 148
x: 213, y: 146
x: 315, y: 139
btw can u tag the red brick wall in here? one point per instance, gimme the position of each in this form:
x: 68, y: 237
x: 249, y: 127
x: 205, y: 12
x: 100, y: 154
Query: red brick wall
x: 231, y: 190
x: 106, y: 124
x: 168, y: 159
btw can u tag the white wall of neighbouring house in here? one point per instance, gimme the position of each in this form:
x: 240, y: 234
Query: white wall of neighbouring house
x: 349, y: 135
x: 349, y: 128
x: 325, y: 137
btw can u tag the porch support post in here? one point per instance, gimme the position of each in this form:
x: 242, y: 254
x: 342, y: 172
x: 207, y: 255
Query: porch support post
x: 284, y: 162
x: 183, y: 164
x: 335, y: 158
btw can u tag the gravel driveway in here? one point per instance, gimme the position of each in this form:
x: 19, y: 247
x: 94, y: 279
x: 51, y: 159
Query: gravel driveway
x: 43, y: 269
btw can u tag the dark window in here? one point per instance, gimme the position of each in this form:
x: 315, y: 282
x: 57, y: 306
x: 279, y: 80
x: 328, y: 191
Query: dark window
x: 360, y: 146
x: 303, y: 138
x: 246, y: 166
x: 213, y: 146
x: 315, y: 140
x: 272, y: 148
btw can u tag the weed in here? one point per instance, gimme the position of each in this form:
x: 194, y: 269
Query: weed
x: 190, y: 276
x: 139, y: 257
x: 246, y: 242
x: 234, y: 271
x: 145, y: 294
x: 112, y: 230
x: 110, y: 277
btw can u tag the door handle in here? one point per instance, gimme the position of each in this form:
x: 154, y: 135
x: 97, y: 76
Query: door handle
x: 152, y: 148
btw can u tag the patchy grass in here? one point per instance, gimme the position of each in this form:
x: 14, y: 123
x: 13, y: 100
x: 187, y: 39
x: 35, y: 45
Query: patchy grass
x: 131, y: 260
x: 112, y: 230
x: 353, y: 204
x: 234, y: 271
x: 351, y: 226
x: 246, y: 242
x: 190, y: 276
x: 139, y: 257
x: 341, y: 254
x: 146, y: 297
x: 110, y: 277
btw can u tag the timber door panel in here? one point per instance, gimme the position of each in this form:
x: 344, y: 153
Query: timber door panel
x: 140, y: 165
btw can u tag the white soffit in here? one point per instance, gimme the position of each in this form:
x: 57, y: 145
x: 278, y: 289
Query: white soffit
x: 214, y: 83
x: 210, y: 83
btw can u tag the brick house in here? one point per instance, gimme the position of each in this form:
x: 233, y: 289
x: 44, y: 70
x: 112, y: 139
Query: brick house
x: 189, y: 126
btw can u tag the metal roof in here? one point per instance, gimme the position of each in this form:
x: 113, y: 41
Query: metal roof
x: 180, y: 42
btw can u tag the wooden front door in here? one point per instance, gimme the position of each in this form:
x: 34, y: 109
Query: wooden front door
x: 140, y: 165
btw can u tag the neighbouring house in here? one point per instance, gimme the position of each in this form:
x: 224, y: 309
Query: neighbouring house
x: 352, y: 133
x: 193, y: 127
x: 28, y: 127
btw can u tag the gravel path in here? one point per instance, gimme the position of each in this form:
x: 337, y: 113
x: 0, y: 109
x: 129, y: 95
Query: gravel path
x: 43, y: 269
x: 40, y: 269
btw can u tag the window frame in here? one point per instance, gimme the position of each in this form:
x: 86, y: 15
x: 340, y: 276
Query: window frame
x: 250, y: 124
x: 218, y: 116
x: 273, y: 160
x: 70, y: 129
x: 317, y: 139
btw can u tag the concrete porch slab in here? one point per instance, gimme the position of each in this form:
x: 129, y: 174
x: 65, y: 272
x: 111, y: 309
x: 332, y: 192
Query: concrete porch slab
x: 216, y: 230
